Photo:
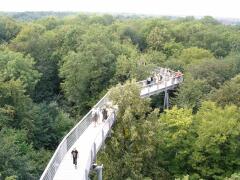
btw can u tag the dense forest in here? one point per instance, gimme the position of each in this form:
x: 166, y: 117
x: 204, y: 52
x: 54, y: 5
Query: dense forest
x: 54, y: 69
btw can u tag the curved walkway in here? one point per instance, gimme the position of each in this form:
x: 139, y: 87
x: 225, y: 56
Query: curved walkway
x: 88, y: 139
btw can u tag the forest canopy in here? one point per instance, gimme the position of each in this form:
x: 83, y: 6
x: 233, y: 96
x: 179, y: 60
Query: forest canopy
x: 53, y: 69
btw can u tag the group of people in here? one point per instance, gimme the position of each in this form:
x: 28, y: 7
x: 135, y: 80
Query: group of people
x: 99, y: 115
x: 158, y: 77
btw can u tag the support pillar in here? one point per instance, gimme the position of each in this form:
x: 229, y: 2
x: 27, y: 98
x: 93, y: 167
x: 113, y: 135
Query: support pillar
x: 166, y: 96
x: 99, y: 170
x: 103, y: 140
x: 94, y: 152
x: 166, y: 99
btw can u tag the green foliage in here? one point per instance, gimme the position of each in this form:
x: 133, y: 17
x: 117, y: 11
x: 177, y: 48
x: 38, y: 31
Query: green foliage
x: 15, y: 66
x: 52, y: 66
x: 235, y: 176
x: 191, y: 93
x: 134, y: 66
x: 42, y: 46
x: 50, y: 125
x: 216, y: 148
x: 26, y: 39
x: 8, y: 29
x: 14, y: 105
x: 190, y: 57
x: 158, y: 37
x: 88, y: 71
x: 214, y: 72
x: 131, y: 31
x: 174, y: 139
x: 11, y: 178
x: 131, y: 146
x: 228, y: 93
x: 17, y: 155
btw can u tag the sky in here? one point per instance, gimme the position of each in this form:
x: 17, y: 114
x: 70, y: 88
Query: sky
x: 215, y: 8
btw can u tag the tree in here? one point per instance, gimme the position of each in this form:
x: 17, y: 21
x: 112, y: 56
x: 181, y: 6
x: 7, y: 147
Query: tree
x: 14, y: 105
x: 134, y: 66
x: 132, y: 31
x: 15, y: 66
x: 47, y: 63
x: 8, y: 29
x: 84, y: 79
x: 194, y: 54
x: 42, y: 45
x: 18, y: 156
x: 50, y: 124
x: 174, y: 136
x: 158, y: 37
x: 88, y: 72
x: 188, y: 58
x: 234, y: 176
x: 27, y: 39
x: 191, y: 93
x: 172, y: 48
x: 216, y: 148
x: 214, y: 72
x: 228, y: 93
x: 132, y: 144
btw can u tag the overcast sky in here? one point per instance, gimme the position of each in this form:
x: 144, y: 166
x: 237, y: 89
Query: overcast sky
x: 216, y: 8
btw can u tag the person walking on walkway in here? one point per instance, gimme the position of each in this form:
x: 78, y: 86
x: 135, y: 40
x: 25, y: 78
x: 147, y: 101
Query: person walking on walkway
x: 95, y: 116
x: 74, y: 156
x: 105, y: 114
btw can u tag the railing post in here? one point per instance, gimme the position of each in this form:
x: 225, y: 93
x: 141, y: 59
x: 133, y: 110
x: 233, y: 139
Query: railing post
x: 109, y: 131
x: 95, y: 152
x: 103, y: 140
x: 91, y: 156
x: 86, y: 174
x: 99, y: 170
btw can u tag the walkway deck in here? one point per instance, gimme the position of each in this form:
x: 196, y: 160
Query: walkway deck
x: 89, y: 139
x: 85, y: 146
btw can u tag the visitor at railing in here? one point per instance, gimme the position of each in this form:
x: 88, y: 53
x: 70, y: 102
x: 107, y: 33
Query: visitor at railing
x: 178, y: 74
x: 157, y: 77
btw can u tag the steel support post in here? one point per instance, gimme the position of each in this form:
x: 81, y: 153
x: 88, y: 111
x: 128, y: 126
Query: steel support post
x: 166, y: 99
x: 99, y: 170
x: 166, y: 96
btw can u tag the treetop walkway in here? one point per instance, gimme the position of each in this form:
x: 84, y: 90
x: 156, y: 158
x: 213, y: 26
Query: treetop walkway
x: 88, y: 138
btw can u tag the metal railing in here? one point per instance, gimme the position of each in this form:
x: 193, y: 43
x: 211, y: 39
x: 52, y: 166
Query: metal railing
x: 97, y: 143
x: 68, y: 141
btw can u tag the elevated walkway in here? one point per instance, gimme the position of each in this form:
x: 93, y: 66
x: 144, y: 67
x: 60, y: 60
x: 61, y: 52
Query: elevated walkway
x: 88, y: 139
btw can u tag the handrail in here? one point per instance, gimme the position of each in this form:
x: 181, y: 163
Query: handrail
x: 94, y: 147
x: 80, y: 127
x: 64, y: 146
